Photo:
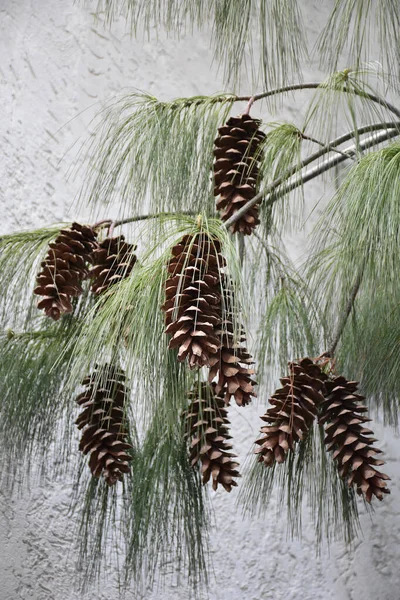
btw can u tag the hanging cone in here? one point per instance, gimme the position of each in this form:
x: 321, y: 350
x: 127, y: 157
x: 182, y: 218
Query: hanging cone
x: 237, y: 158
x: 348, y: 439
x: 207, y: 428
x: 294, y: 407
x: 64, y: 269
x: 113, y: 261
x: 104, y: 424
x: 193, y: 299
x: 231, y: 365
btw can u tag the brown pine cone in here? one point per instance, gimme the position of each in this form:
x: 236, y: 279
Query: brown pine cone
x: 193, y: 299
x: 237, y: 158
x: 64, y: 269
x: 114, y: 260
x: 104, y: 425
x: 207, y: 428
x: 348, y: 439
x: 294, y: 408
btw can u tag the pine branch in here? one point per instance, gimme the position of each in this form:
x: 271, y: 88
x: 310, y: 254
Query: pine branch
x: 295, y: 87
x: 344, y: 317
x: 391, y: 129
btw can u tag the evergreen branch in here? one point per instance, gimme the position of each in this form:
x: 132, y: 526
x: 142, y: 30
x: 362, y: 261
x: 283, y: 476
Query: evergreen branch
x: 391, y: 129
x: 358, y: 237
x: 322, y: 145
x: 313, y: 86
x: 344, y: 317
x: 284, y: 90
x: 267, y: 195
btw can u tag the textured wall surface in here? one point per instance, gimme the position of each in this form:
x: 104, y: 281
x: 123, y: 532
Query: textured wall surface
x: 57, y: 68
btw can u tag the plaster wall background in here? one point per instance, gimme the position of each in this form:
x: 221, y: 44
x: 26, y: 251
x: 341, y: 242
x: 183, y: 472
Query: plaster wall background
x: 57, y: 67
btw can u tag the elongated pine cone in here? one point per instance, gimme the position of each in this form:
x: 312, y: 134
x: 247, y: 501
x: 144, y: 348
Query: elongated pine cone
x: 232, y: 363
x: 64, y: 269
x: 104, y: 424
x: 237, y: 151
x: 193, y: 299
x: 348, y: 439
x: 294, y: 408
x: 207, y: 428
x: 114, y: 260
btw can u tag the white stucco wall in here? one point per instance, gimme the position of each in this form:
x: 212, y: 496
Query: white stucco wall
x: 56, y: 69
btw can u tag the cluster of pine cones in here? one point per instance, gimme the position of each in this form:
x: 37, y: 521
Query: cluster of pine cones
x: 74, y: 256
x: 307, y: 393
x: 201, y: 318
x: 68, y: 262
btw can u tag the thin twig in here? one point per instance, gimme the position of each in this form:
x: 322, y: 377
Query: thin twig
x: 241, y: 249
x: 119, y: 222
x: 101, y: 224
x: 322, y: 145
x: 267, y: 194
x: 343, y: 320
x: 249, y: 105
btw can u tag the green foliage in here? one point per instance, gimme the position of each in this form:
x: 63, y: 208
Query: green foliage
x: 343, y: 101
x: 351, y: 26
x: 288, y: 326
x: 20, y: 256
x: 170, y: 512
x: 34, y: 406
x: 370, y: 349
x: 156, y: 156
x: 308, y: 478
x: 358, y: 238
x: 281, y: 154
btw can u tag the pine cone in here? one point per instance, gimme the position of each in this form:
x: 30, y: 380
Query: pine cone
x: 231, y: 364
x: 114, y: 259
x: 350, y: 441
x: 294, y: 407
x: 238, y: 154
x: 104, y: 424
x: 193, y: 299
x: 207, y: 425
x: 64, y: 269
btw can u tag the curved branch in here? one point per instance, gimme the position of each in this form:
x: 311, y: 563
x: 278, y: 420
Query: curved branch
x: 313, y: 86
x: 388, y: 133
x: 303, y: 86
